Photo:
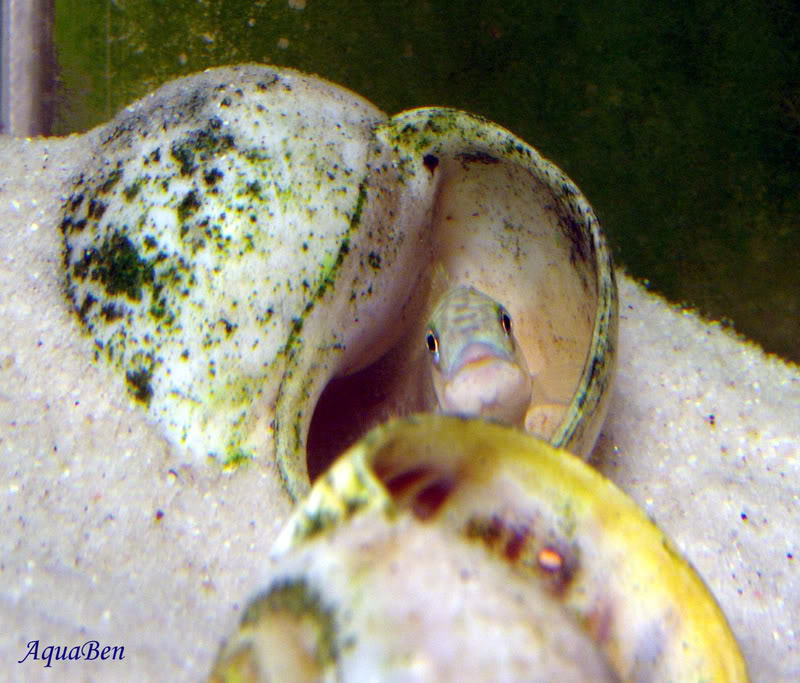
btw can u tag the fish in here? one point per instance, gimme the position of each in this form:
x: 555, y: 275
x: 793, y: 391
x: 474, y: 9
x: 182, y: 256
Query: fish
x: 476, y: 364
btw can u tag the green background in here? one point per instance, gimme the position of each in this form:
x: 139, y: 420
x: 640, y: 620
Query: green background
x: 679, y: 121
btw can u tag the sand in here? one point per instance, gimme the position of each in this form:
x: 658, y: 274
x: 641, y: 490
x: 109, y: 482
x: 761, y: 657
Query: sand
x: 110, y: 535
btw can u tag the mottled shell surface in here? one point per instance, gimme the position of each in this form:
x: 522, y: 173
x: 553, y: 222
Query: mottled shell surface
x: 246, y: 237
x: 218, y: 237
x: 537, y: 512
x: 395, y: 599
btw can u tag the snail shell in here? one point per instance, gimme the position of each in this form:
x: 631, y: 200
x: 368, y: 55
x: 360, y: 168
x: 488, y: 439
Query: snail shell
x: 540, y: 512
x: 244, y: 236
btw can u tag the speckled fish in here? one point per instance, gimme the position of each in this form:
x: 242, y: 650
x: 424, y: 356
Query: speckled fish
x: 477, y: 366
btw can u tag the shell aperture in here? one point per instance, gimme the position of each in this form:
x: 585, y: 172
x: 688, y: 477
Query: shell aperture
x: 476, y: 364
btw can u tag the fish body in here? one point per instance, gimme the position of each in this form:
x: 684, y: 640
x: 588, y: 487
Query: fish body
x: 477, y: 366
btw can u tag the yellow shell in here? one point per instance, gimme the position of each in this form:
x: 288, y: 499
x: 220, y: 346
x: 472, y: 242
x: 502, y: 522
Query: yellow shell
x: 537, y: 510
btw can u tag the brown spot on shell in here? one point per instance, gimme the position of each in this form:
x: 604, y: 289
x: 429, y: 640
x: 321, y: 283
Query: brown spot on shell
x: 517, y: 542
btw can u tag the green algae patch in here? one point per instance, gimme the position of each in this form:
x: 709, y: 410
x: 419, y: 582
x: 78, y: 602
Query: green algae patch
x: 139, y: 384
x: 118, y: 267
x: 122, y: 269
x: 239, y: 458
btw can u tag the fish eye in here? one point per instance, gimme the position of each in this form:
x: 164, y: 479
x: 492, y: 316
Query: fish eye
x: 432, y: 341
x: 505, y: 321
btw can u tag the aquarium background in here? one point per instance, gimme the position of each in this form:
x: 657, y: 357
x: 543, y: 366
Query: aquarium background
x: 679, y: 121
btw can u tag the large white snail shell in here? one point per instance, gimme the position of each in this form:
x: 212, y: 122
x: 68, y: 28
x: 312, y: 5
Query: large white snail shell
x: 245, y: 235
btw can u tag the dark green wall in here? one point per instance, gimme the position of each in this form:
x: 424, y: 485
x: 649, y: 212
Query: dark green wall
x: 680, y: 121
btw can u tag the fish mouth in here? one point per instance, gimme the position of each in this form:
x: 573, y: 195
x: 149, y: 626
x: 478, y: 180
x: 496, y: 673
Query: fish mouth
x: 487, y: 384
x: 475, y: 353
